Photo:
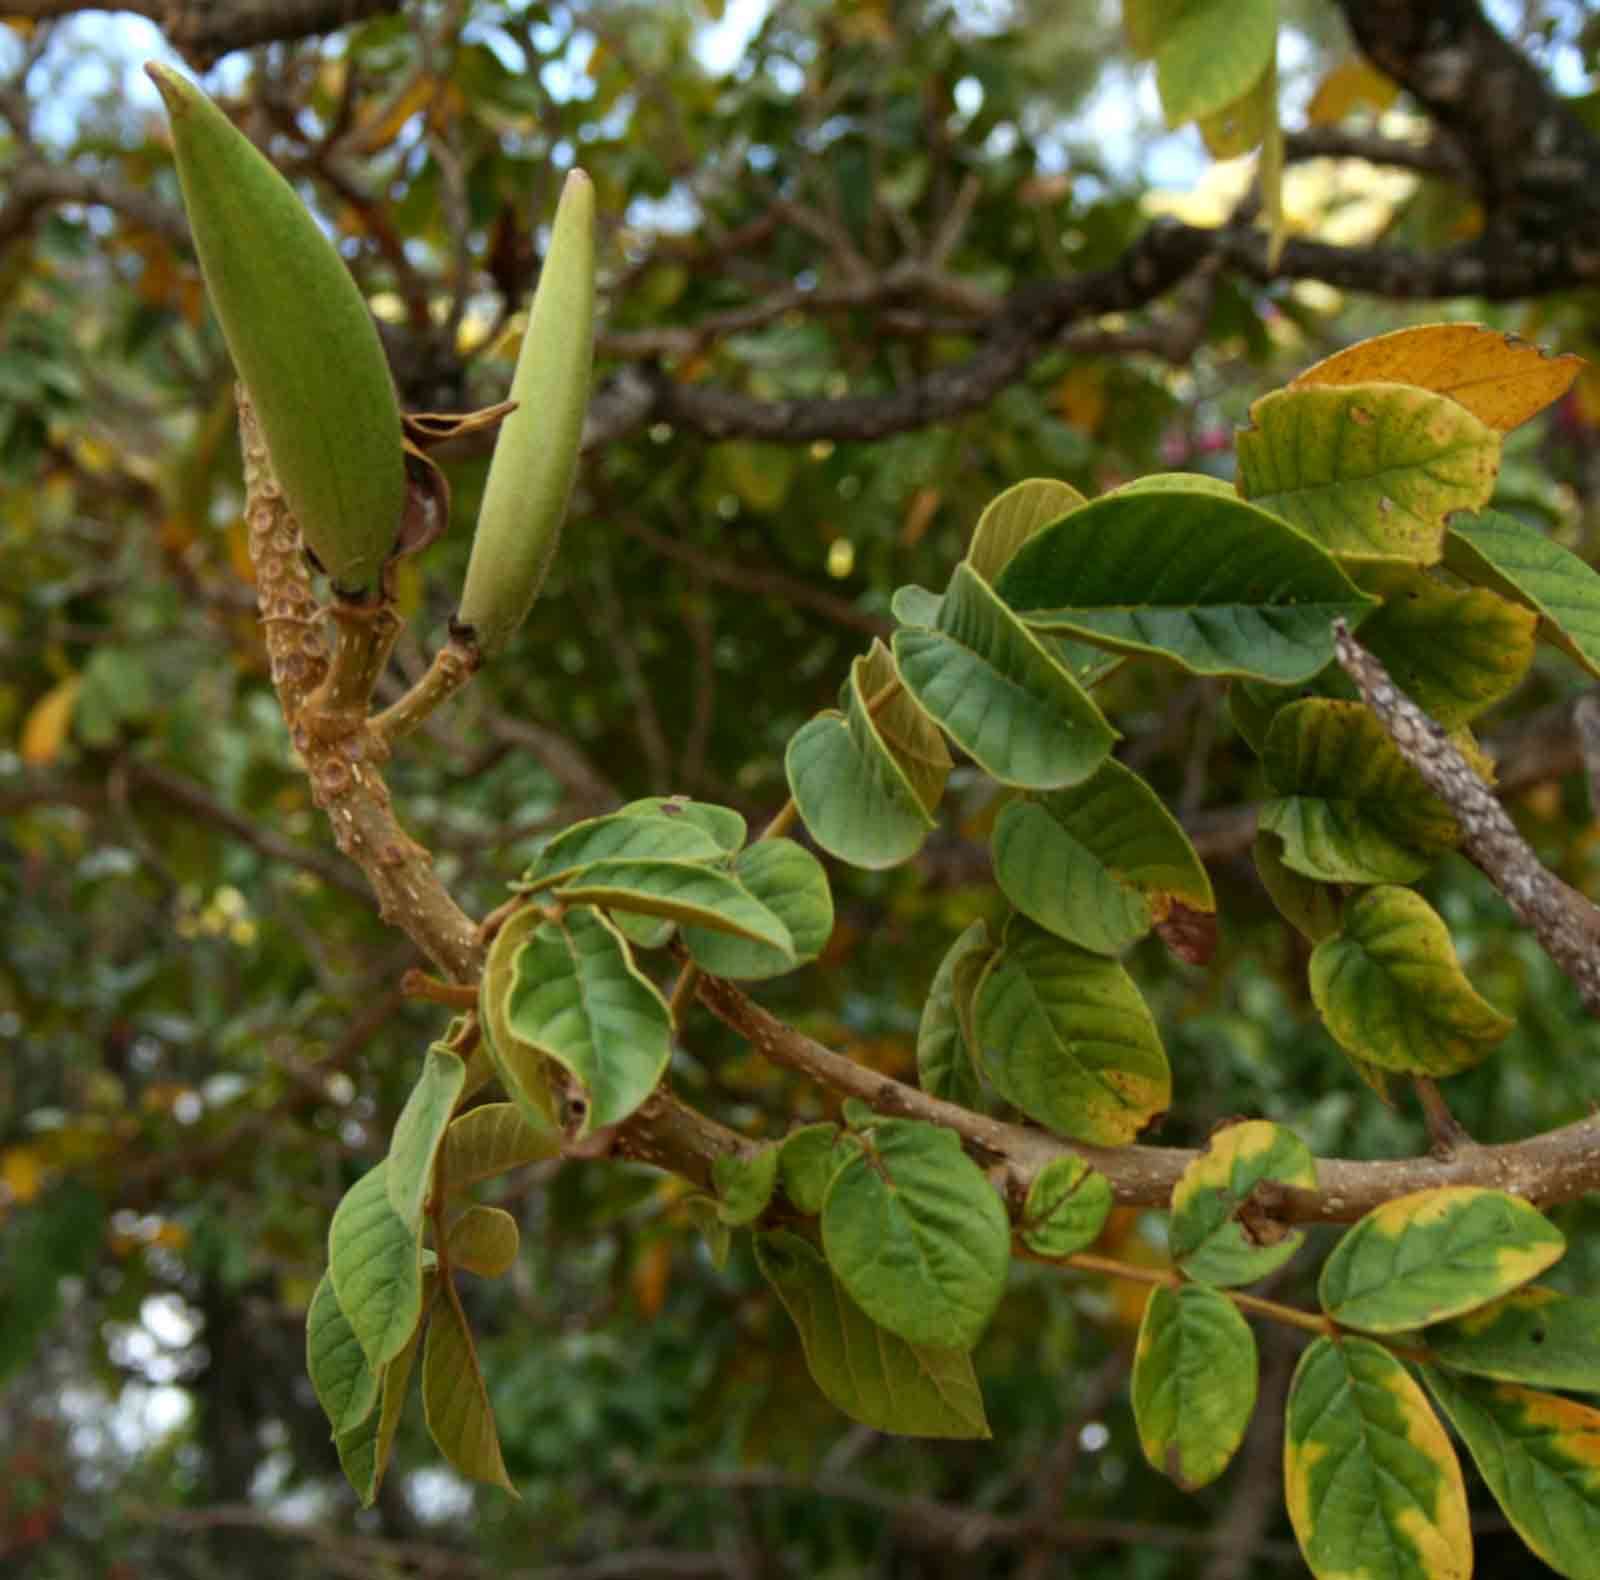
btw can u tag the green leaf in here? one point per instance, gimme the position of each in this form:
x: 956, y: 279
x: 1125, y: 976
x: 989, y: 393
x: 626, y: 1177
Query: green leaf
x: 493, y: 1139
x: 1434, y: 1254
x: 1067, y: 1206
x: 854, y: 794
x: 1534, y: 1335
x: 915, y: 605
x: 1194, y: 1383
x: 364, y: 1449
x: 57, y: 1239
x: 705, y: 1213
x: 722, y: 823
x: 1211, y: 582
x: 869, y: 1373
x: 419, y: 1131
x: 1540, y: 1456
x: 1310, y: 906
x: 346, y: 1387
x: 622, y: 836
x: 790, y: 882
x: 1211, y: 53
x: 578, y: 998
x: 484, y: 1241
x: 1393, y: 994
x: 917, y: 1234
x: 1498, y: 551
x: 1350, y: 808
x: 745, y: 1182
x: 1239, y: 127
x: 691, y: 895
x: 375, y: 1262
x: 945, y: 1059
x: 1370, y: 471
x: 455, y: 1401
x: 999, y: 693
x: 913, y: 741
x: 808, y: 1158
x: 1099, y: 863
x: 1009, y: 520
x: 1065, y: 1036
x: 1373, y: 1487
x: 1214, y: 1236
x: 522, y: 1069
x: 1453, y: 652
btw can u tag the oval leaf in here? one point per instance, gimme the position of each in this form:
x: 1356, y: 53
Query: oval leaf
x: 1501, y: 379
x: 346, y: 1386
x: 577, y: 997
x: 1392, y: 993
x: 521, y: 1068
x: 917, y: 1235
x: 1209, y: 52
x: 1211, y: 582
x: 364, y: 1449
x: 1215, y: 1238
x: 1434, y: 1254
x: 375, y: 1262
x: 866, y: 1371
x: 807, y: 1162
x: 1065, y: 1036
x: 1067, y: 1206
x: 1370, y: 471
x: 1495, y: 550
x: 790, y: 882
x: 493, y: 1139
x: 1099, y: 863
x: 945, y: 1058
x: 455, y: 1401
x: 1535, y: 1335
x: 691, y: 895
x: 1194, y: 1383
x: 1453, y: 652
x: 1541, y: 1459
x: 419, y: 1131
x: 1372, y: 1484
x: 484, y: 1241
x: 745, y: 1183
x: 622, y: 836
x: 998, y: 692
x: 1009, y: 520
x: 1350, y: 808
x: 722, y: 823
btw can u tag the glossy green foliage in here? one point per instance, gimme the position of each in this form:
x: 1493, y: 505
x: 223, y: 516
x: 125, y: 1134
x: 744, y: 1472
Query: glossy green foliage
x: 916, y: 1234
x: 375, y: 1263
x: 1065, y: 1036
x: 1534, y: 1335
x: 870, y: 1373
x: 1214, y: 584
x: 1194, y: 1383
x: 1435, y: 1254
x: 946, y: 1057
x: 1373, y: 1486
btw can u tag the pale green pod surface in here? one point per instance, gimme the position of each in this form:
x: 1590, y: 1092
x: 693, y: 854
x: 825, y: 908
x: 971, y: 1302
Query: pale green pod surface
x: 536, y: 453
x: 301, y: 338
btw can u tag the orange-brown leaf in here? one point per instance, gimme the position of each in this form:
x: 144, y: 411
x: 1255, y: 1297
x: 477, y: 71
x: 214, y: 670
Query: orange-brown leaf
x: 1501, y: 379
x: 44, y: 732
x: 1349, y: 84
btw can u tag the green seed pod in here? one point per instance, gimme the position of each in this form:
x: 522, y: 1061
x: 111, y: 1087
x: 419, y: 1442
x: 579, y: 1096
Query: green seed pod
x: 301, y: 338
x: 536, y: 453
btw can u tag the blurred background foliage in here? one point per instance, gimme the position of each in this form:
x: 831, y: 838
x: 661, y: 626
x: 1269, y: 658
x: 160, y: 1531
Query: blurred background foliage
x: 203, y: 1034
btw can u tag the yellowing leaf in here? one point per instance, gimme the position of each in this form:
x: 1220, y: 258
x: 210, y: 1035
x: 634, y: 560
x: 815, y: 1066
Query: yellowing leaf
x: 1348, y: 85
x: 1499, y: 378
x: 21, y: 1172
x: 455, y: 1401
x: 45, y: 731
x: 385, y: 123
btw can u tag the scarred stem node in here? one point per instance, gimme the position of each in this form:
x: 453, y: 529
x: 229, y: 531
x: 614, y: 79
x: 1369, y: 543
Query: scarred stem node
x: 453, y: 666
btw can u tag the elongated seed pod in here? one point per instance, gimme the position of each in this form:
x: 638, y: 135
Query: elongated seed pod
x: 536, y: 452
x: 301, y: 338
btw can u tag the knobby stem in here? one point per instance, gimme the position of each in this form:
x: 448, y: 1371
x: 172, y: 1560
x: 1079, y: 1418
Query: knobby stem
x: 453, y: 666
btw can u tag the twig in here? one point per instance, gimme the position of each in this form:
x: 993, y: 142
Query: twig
x: 1565, y: 922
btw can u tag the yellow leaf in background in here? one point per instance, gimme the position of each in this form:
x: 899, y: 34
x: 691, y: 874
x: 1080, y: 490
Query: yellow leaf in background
x: 924, y: 506
x: 385, y: 122
x: 45, y: 730
x: 1349, y: 85
x: 1081, y: 398
x: 170, y: 1236
x: 1499, y: 378
x: 21, y: 1172
x: 651, y: 1277
x: 238, y: 541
